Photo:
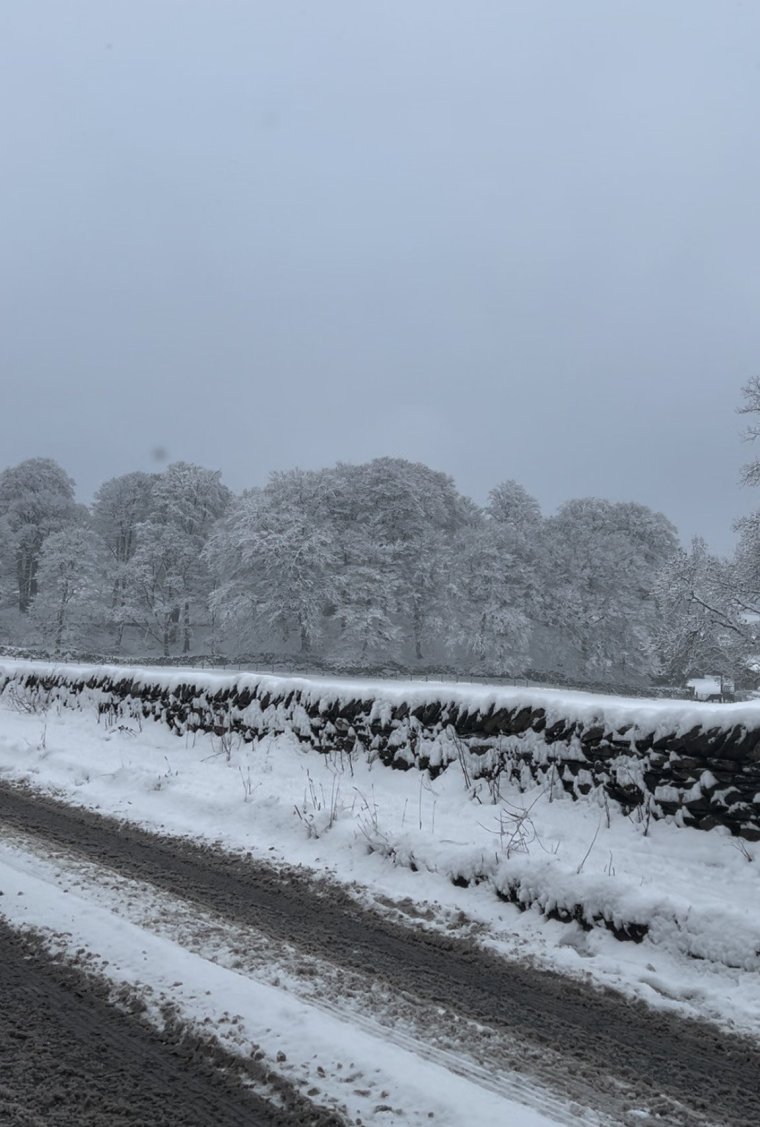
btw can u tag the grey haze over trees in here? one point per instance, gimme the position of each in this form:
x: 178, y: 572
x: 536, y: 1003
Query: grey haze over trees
x: 383, y: 564
x: 449, y: 230
x: 380, y: 564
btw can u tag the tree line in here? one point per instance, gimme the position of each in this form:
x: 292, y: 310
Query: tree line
x: 381, y: 564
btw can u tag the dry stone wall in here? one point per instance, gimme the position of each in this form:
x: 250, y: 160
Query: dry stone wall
x: 704, y: 775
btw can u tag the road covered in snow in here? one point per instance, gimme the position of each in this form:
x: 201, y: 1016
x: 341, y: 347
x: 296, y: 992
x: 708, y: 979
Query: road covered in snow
x: 68, y: 1056
x: 263, y: 928
x: 369, y: 1019
x: 255, y: 970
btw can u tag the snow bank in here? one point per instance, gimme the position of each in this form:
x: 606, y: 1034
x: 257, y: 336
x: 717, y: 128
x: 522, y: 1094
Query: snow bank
x: 697, y: 762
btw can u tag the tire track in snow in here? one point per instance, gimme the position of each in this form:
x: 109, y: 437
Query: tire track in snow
x: 614, y: 1052
x: 462, y: 1047
x: 68, y: 1056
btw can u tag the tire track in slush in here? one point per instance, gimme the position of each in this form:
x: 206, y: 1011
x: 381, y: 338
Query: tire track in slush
x: 69, y: 1057
x: 605, y: 1051
x: 461, y: 1047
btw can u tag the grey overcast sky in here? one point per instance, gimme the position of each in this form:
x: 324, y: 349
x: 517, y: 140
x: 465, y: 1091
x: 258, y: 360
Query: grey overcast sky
x: 505, y: 239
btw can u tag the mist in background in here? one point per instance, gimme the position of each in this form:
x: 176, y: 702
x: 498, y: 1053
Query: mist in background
x: 508, y: 240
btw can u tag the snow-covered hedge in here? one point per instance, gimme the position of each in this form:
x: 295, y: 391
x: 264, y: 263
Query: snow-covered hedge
x: 697, y: 762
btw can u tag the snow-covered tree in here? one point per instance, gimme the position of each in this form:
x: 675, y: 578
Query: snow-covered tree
x: 365, y: 598
x: 699, y: 627
x: 739, y: 591
x: 496, y: 579
x: 232, y: 601
x: 747, y: 570
x: 189, y: 497
x: 36, y: 498
x: 120, y: 506
x: 751, y: 406
x: 743, y: 578
x: 511, y: 506
x: 158, y: 577
x: 604, y: 559
x: 71, y: 585
x: 155, y: 527
x: 364, y: 621
x: 354, y: 559
x: 410, y: 515
x: 488, y: 618
x: 276, y: 560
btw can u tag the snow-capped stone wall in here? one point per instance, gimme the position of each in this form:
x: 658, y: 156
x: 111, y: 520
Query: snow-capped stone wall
x: 697, y: 762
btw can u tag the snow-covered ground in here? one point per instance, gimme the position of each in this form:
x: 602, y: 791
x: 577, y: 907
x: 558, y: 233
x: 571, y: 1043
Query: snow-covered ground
x: 398, y: 838
x: 398, y: 841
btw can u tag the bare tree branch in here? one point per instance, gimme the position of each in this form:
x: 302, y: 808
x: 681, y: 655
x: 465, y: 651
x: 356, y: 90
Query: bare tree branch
x: 719, y: 616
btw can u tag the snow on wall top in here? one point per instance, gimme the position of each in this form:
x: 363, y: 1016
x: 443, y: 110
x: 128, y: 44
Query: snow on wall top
x: 650, y: 717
